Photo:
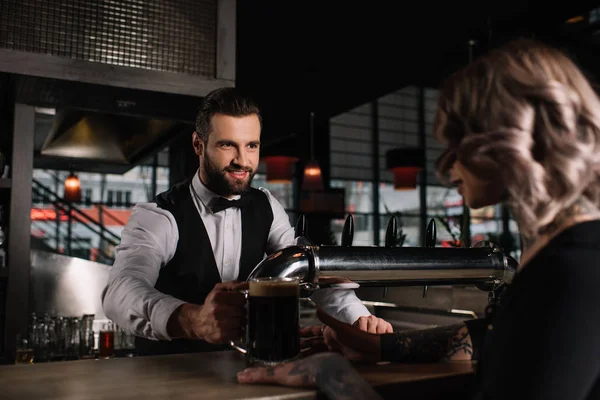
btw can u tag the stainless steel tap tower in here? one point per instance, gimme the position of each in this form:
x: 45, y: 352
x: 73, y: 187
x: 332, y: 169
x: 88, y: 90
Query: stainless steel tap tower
x: 484, y: 265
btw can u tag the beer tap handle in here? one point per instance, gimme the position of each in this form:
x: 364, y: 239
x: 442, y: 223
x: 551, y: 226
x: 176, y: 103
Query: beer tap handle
x: 391, y: 238
x: 431, y: 234
x: 430, y: 238
x: 300, y: 229
x: 348, y: 231
x: 391, y: 233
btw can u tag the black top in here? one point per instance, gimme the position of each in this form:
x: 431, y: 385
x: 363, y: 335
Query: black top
x: 192, y: 272
x: 542, y: 341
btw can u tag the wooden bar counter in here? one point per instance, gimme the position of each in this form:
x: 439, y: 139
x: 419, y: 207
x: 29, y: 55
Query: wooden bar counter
x: 206, y: 376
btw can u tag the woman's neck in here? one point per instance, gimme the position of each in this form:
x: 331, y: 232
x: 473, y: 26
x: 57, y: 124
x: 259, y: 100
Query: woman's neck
x: 581, y: 211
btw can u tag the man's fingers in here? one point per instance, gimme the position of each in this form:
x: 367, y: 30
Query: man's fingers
x: 348, y: 335
x: 372, y: 324
x: 310, y: 331
x: 311, y: 341
x: 227, y: 336
x: 231, y: 298
x: 362, y: 324
x: 225, y: 311
x: 330, y: 339
x: 230, y: 286
x: 225, y: 330
x: 384, y: 327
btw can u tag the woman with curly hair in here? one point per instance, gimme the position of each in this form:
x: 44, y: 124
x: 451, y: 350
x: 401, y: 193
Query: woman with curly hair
x: 521, y: 125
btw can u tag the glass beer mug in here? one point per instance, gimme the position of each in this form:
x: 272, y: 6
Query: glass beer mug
x: 273, y: 321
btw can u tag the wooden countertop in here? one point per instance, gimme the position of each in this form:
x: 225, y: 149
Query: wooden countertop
x: 199, y: 376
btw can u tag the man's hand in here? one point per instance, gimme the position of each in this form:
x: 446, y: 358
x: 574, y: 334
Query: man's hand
x: 352, y: 342
x: 219, y: 320
x: 372, y: 324
x: 319, y: 338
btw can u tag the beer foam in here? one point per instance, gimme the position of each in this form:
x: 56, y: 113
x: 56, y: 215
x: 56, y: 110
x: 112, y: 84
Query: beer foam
x: 273, y: 289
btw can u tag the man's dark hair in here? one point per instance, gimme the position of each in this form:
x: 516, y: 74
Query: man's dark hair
x: 228, y: 101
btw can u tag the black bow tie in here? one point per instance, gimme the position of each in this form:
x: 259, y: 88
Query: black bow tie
x: 222, y: 203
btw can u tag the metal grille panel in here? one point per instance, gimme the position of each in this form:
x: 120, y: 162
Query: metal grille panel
x: 164, y: 35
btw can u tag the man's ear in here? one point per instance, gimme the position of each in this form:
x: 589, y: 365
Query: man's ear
x: 197, y: 143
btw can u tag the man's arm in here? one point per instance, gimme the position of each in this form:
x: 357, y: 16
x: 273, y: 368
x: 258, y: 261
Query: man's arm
x: 148, y: 242
x: 342, y: 304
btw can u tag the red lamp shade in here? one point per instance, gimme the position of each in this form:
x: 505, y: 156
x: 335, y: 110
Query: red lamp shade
x: 279, y: 168
x: 72, y: 189
x: 405, y: 164
x: 312, y: 180
x: 405, y: 178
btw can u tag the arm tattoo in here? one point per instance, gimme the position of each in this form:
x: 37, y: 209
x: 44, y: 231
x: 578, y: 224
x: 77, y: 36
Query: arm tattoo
x: 459, y: 345
x: 335, y: 377
x: 428, y: 345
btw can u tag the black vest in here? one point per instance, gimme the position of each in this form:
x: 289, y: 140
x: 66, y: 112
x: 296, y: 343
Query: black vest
x: 192, y: 272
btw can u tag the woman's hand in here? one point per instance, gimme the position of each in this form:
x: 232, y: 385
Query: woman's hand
x: 329, y: 372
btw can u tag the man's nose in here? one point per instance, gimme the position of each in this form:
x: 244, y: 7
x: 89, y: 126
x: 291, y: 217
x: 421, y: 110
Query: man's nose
x: 242, y: 159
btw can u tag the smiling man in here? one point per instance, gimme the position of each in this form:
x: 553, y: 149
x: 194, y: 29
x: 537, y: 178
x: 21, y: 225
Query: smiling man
x: 183, y: 256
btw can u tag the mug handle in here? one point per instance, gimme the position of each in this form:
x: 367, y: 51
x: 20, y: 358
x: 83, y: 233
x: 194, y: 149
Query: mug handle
x: 240, y: 346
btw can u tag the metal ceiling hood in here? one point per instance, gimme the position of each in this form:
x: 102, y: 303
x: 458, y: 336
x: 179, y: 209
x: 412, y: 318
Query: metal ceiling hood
x: 99, y: 128
x: 86, y: 140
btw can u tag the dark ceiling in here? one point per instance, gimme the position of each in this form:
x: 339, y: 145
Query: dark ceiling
x: 329, y: 57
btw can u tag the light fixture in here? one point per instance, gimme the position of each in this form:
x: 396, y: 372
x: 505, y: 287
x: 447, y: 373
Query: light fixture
x: 279, y: 168
x: 312, y: 180
x: 405, y: 164
x: 575, y: 20
x: 72, y: 189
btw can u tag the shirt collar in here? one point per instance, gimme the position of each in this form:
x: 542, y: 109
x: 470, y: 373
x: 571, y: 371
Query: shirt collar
x: 205, y: 194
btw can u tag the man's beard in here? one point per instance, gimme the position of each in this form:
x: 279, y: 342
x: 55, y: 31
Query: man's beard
x: 216, y: 179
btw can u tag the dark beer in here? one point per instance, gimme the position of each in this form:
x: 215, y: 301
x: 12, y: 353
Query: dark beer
x: 107, y: 344
x: 273, y: 321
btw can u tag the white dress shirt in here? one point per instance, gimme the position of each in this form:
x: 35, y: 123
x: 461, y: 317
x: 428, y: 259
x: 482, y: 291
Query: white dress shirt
x: 149, y: 241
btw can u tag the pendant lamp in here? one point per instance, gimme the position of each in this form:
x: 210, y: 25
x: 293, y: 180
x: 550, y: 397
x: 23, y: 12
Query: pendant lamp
x: 405, y: 164
x: 72, y: 189
x: 313, y: 179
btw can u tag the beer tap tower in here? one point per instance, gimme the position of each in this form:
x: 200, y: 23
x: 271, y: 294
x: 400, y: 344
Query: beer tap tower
x: 484, y: 265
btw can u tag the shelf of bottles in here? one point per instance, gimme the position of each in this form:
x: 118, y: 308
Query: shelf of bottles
x: 62, y: 338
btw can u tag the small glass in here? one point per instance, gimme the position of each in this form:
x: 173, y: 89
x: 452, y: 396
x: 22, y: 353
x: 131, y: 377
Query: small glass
x: 107, y: 340
x: 86, y: 337
x: 25, y: 353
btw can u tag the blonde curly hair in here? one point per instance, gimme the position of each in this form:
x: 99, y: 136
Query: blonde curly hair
x: 524, y: 115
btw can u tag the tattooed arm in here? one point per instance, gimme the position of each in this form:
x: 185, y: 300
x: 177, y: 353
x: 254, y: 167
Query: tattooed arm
x: 331, y: 373
x: 451, y: 342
